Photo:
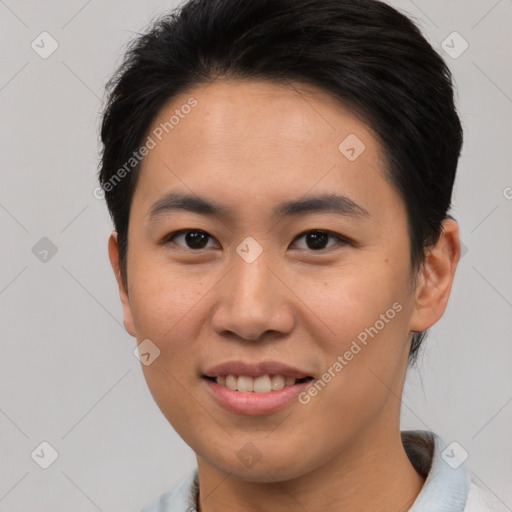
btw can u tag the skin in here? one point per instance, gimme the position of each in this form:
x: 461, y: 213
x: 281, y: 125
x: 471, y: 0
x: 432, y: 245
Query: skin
x: 249, y: 145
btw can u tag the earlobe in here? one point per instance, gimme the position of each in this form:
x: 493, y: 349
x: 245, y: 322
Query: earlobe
x: 113, y: 253
x: 435, y: 278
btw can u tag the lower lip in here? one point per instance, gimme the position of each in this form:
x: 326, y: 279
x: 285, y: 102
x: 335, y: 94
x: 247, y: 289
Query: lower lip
x: 254, y: 403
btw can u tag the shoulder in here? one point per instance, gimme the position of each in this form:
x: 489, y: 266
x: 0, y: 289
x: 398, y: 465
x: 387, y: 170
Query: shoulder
x: 480, y: 500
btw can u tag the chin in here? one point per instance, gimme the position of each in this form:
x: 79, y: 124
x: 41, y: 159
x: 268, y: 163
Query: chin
x: 260, y: 470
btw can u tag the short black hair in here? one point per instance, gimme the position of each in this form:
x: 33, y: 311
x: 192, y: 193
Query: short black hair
x: 363, y: 52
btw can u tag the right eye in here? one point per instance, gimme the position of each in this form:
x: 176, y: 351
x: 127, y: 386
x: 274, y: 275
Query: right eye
x: 194, y: 239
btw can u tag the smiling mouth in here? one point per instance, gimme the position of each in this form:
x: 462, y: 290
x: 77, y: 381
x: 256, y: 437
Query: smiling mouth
x: 261, y: 384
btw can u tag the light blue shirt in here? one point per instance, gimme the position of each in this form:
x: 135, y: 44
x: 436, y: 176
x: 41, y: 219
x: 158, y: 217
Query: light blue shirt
x: 448, y: 486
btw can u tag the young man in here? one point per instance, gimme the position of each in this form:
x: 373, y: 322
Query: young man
x: 279, y: 173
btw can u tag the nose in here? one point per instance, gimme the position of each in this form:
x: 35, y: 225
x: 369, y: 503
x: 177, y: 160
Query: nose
x: 253, y: 301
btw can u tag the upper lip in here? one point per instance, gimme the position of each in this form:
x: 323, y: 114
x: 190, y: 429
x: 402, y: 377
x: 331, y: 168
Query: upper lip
x: 255, y: 369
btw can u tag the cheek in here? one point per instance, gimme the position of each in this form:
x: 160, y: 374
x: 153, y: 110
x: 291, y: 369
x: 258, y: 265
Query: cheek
x: 164, y: 300
x: 167, y: 306
x: 365, y: 347
x: 353, y: 300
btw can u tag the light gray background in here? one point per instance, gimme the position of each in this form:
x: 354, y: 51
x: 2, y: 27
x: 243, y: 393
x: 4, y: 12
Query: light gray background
x: 67, y: 370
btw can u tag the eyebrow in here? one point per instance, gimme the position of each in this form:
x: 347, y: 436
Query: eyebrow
x: 331, y: 203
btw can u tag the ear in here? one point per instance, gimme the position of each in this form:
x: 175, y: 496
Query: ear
x: 435, y: 278
x: 113, y: 254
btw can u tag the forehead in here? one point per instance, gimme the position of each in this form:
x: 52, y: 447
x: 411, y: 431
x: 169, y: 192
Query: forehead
x: 247, y: 115
x: 260, y: 141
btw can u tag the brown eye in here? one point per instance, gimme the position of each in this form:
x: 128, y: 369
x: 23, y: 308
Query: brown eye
x: 318, y: 240
x: 193, y: 238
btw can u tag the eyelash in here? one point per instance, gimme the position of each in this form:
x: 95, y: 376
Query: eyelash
x: 341, y: 239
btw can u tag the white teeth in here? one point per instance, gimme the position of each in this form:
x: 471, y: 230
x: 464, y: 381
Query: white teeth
x: 245, y: 384
x: 261, y: 384
x: 278, y: 382
x: 231, y: 382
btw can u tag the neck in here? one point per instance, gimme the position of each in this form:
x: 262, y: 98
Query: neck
x: 373, y: 473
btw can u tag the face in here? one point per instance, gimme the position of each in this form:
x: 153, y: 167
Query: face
x: 301, y: 259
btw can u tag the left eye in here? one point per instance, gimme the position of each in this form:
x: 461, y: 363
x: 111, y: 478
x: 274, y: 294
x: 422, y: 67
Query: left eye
x: 317, y: 240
